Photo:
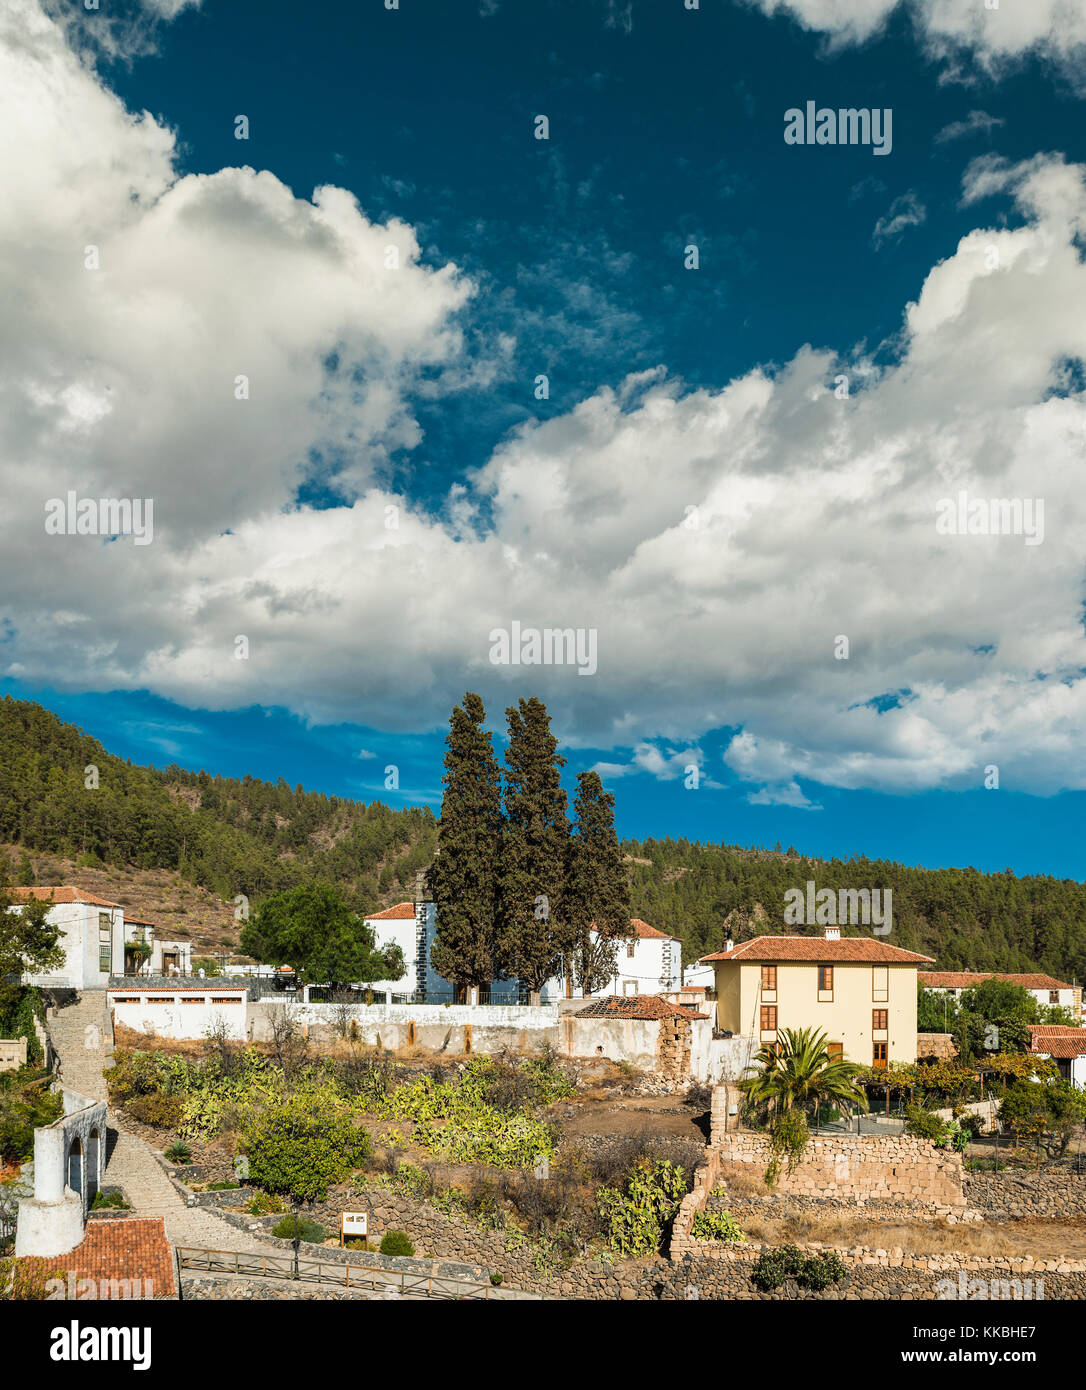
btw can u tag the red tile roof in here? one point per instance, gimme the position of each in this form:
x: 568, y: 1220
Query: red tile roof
x: 965, y: 979
x: 636, y: 1006
x: 862, y: 949
x: 132, y: 1247
x: 644, y: 931
x: 1057, y: 1040
x: 60, y: 895
x: 400, y: 913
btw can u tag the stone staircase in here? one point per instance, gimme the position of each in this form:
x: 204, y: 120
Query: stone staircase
x: 82, y: 1038
x: 83, y: 1041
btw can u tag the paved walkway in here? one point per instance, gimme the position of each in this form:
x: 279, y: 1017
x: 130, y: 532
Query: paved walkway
x: 81, y: 1037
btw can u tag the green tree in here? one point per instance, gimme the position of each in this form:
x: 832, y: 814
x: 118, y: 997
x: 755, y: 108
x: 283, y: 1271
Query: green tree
x: 797, y: 1072
x: 936, y: 1011
x: 311, y: 928
x: 29, y: 943
x: 534, y: 845
x: 1043, y: 1112
x: 463, y: 875
x: 597, y: 890
x: 302, y: 1145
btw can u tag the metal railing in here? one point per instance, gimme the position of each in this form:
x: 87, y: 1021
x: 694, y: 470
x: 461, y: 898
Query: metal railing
x: 345, y: 1275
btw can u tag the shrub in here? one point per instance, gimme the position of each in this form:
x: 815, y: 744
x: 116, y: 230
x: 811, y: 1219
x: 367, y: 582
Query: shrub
x: 924, y: 1124
x: 396, y: 1243
x: 773, y: 1268
x: 179, y: 1152
x: 160, y: 1111
x: 300, y: 1228
x: 222, y: 1186
x: 112, y: 1201
x: 716, y: 1225
x: 357, y: 1243
x: 495, y: 1279
x: 265, y: 1204
x: 788, y: 1140
x: 23, y: 1108
x: 301, y: 1145
x: 635, y: 1219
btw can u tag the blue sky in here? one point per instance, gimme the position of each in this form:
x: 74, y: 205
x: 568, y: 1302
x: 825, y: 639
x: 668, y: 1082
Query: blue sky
x: 671, y: 390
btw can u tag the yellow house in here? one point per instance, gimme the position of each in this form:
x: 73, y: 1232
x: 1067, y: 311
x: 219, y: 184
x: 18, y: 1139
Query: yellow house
x: 859, y: 991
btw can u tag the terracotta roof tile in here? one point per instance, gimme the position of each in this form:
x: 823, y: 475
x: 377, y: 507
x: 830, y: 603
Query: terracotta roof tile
x: 65, y: 894
x: 133, y: 1247
x: 965, y: 979
x: 400, y: 913
x: 862, y: 949
x: 636, y: 1006
x: 1057, y: 1040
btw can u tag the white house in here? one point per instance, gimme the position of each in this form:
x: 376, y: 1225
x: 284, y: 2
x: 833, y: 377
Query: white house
x: 91, y: 933
x: 1066, y: 1046
x: 166, y: 958
x: 649, y: 962
x: 412, y: 926
x: 1044, y: 988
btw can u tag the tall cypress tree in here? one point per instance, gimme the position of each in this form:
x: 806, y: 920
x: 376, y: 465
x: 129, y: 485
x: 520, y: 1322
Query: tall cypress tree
x: 463, y: 875
x: 535, y: 839
x: 597, y: 887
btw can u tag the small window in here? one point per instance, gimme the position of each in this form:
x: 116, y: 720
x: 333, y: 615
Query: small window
x: 769, y: 977
x: 118, y: 1000
x: 880, y: 984
x: 836, y: 1051
x: 1053, y: 996
x: 878, y: 1020
x: 878, y: 1055
x: 769, y: 1018
x: 825, y: 979
x: 631, y: 949
x: 225, y: 999
x: 192, y: 999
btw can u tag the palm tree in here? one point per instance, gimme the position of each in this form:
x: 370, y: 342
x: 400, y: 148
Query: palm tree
x: 798, y: 1072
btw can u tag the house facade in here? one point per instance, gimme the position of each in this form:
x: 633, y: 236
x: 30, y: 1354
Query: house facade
x: 1064, y: 1045
x: 165, y: 958
x: 859, y: 991
x: 648, y: 962
x: 1044, y: 988
x: 91, y: 934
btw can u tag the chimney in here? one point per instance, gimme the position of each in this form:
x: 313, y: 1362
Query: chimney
x: 833, y: 933
x: 729, y: 945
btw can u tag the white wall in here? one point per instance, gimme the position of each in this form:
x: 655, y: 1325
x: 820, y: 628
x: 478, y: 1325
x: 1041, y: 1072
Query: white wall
x: 163, y: 1013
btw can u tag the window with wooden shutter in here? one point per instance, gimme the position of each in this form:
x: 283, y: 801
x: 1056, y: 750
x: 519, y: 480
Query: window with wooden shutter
x: 769, y: 1018
x: 825, y: 984
x: 879, y: 1018
x: 880, y: 984
x: 878, y: 1054
x: 836, y: 1051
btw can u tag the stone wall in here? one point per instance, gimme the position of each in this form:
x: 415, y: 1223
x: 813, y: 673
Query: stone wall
x: 1058, y: 1195
x: 12, y: 1054
x: 938, y: 1045
x: 854, y: 1166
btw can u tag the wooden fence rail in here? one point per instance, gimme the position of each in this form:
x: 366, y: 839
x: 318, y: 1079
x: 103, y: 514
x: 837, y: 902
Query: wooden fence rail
x: 349, y: 1276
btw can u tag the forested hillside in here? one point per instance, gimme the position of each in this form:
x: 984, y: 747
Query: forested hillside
x: 966, y: 919
x: 226, y: 835
x: 230, y: 836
